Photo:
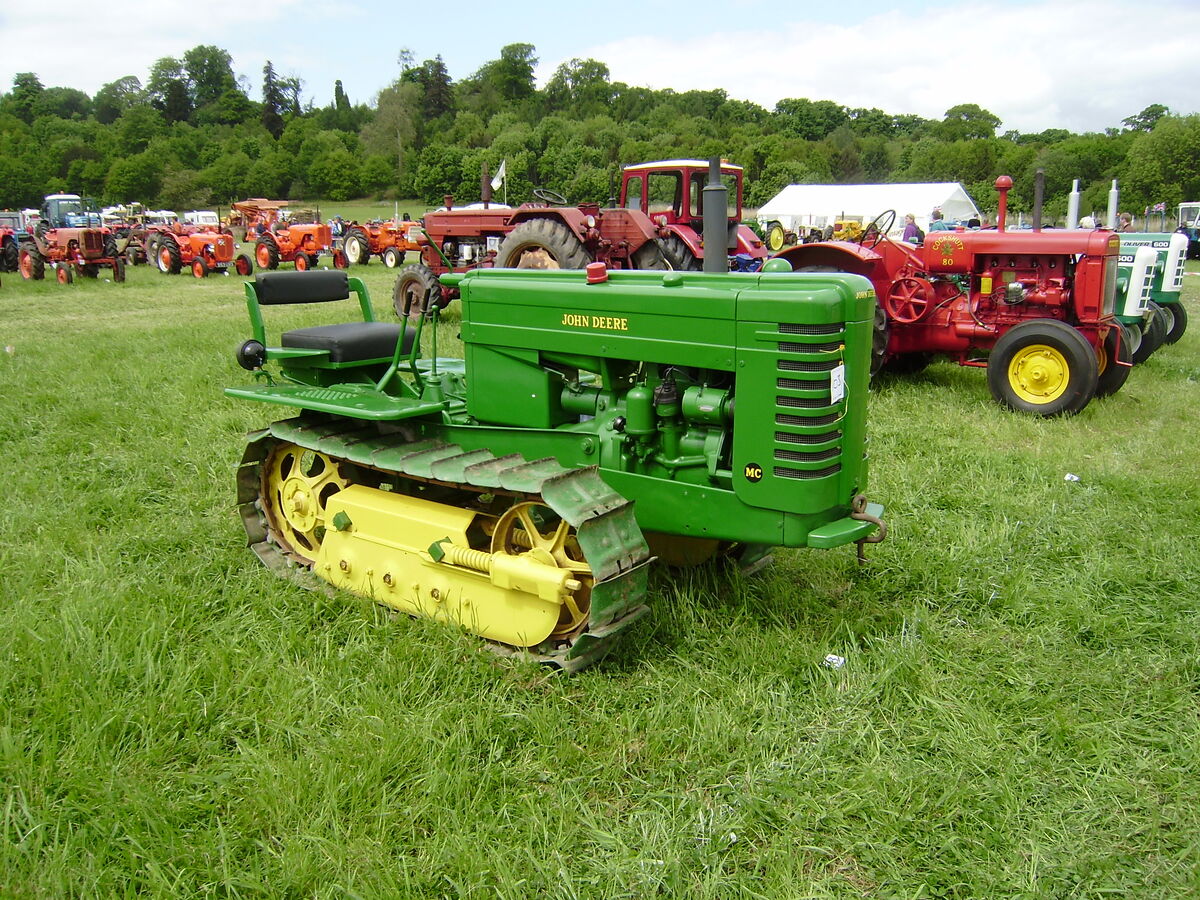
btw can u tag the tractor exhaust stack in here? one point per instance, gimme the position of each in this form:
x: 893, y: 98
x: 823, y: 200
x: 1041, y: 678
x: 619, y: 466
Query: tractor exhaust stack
x: 1039, y: 197
x: 716, y: 220
x: 1003, y: 183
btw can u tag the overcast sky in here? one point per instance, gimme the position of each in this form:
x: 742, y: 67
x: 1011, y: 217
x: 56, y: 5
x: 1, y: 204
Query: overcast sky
x: 1078, y: 65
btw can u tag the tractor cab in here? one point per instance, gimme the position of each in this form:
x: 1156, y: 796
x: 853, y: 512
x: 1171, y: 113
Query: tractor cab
x: 670, y: 191
x: 69, y: 211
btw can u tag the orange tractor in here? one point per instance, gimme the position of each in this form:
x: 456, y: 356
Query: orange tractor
x: 201, y: 250
x: 279, y: 240
x: 70, y: 239
x: 387, y: 240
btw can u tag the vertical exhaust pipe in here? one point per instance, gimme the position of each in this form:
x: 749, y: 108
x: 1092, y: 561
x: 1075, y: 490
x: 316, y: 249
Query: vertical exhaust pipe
x: 716, y: 220
x: 1073, y: 205
x: 1003, y: 183
x: 1039, y: 196
x: 485, y: 186
x: 1114, y: 200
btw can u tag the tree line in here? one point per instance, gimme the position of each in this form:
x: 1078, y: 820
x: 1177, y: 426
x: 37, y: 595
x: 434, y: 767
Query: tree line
x: 191, y: 135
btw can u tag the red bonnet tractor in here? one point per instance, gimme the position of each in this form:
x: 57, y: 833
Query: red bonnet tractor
x: 11, y: 226
x: 202, y: 251
x: 656, y: 225
x: 68, y: 236
x: 387, y: 240
x: 1035, y: 308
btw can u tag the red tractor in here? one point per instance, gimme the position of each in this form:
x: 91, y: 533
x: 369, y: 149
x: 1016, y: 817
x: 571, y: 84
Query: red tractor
x: 12, y: 224
x: 201, y: 250
x: 655, y: 225
x: 1035, y: 308
x: 71, y: 240
x: 387, y: 240
x: 280, y: 240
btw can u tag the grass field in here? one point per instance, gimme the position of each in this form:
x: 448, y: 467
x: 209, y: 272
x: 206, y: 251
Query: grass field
x: 1017, y: 715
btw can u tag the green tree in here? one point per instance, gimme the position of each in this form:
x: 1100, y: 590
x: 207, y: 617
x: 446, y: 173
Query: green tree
x: 133, y: 178
x: 209, y: 72
x: 966, y: 121
x: 272, y: 102
x: 394, y: 127
x: 811, y: 120
x: 63, y: 103
x: 112, y: 100
x: 1146, y: 119
x: 23, y: 98
x: 336, y: 175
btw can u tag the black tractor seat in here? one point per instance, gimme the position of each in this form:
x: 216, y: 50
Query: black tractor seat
x: 349, y: 342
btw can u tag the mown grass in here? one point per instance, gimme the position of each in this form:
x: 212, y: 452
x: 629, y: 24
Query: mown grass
x: 1017, y: 715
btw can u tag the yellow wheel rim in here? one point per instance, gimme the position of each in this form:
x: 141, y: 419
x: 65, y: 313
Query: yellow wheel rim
x: 775, y: 239
x: 1039, y: 373
x: 533, y: 529
x: 298, y: 483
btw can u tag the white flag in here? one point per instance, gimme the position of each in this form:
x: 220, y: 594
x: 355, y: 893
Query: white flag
x: 499, y: 179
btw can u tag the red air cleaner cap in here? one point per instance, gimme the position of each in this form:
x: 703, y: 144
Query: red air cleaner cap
x: 596, y: 273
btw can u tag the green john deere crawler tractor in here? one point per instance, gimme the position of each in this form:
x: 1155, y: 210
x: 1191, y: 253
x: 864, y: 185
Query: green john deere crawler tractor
x: 598, y: 421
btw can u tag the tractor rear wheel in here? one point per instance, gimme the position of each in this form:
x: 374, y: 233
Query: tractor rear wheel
x: 199, y: 267
x: 110, y: 246
x: 170, y: 261
x: 1153, y: 335
x: 242, y: 265
x: 1176, y: 321
x: 417, y: 291
x: 266, y: 252
x: 542, y: 244
x: 679, y: 255
x: 393, y: 258
x: 30, y: 262
x: 1044, y: 367
x: 1114, y: 359
x: 358, y: 250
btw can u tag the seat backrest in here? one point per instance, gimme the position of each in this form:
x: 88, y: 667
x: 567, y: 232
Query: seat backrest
x: 313, y: 286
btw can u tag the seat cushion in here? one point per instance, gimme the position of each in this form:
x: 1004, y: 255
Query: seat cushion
x: 350, y: 341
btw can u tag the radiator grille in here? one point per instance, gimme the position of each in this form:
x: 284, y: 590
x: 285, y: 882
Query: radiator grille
x: 789, y: 347
x: 824, y: 328
x: 781, y: 472
x: 814, y: 456
x: 802, y: 365
x: 787, y: 419
x: 785, y: 437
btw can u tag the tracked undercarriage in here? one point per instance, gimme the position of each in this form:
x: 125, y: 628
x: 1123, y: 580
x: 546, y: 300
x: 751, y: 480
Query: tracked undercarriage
x: 525, y: 553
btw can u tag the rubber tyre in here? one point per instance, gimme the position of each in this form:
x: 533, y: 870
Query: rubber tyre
x: 301, y: 262
x: 314, y: 260
x: 416, y: 292
x: 679, y: 256
x: 339, y: 260
x: 1070, y: 351
x: 903, y: 364
x: 168, y: 257
x: 1153, y: 335
x: 110, y: 246
x: 542, y: 244
x: 1113, y: 363
x: 1176, y: 321
x: 10, y: 254
x: 199, y: 267
x: 243, y: 265
x: 358, y: 250
x: 151, y: 246
x: 650, y: 256
x: 30, y: 262
x: 266, y: 252
x: 119, y: 270
x: 775, y: 238
x: 393, y: 258
x: 63, y: 274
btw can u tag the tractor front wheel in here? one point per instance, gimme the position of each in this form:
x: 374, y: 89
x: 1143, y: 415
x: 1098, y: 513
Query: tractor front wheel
x: 358, y: 251
x: 393, y: 258
x: 199, y: 267
x: 11, y: 254
x: 301, y: 262
x: 1154, y: 333
x: 63, y: 274
x: 31, y: 263
x: 1176, y: 321
x: 1114, y: 359
x: 417, y: 291
x: 118, y: 270
x: 1044, y: 367
x: 242, y: 265
x: 776, y: 237
x: 542, y: 244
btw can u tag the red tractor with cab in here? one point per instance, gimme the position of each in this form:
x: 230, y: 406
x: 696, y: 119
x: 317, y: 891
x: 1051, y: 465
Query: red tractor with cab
x: 656, y: 224
x: 70, y: 238
x: 1035, y: 308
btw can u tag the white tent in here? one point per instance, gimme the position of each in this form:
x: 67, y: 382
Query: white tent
x: 799, y: 207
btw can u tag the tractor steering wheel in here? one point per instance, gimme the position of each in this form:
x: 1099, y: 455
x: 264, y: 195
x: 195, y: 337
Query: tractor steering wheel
x: 552, y: 197
x: 877, y: 228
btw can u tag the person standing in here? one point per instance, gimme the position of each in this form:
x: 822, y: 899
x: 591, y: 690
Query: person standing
x: 1125, y: 223
x: 912, y: 233
x: 937, y: 223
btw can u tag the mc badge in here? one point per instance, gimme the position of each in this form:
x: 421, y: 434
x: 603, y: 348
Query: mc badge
x: 753, y: 472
